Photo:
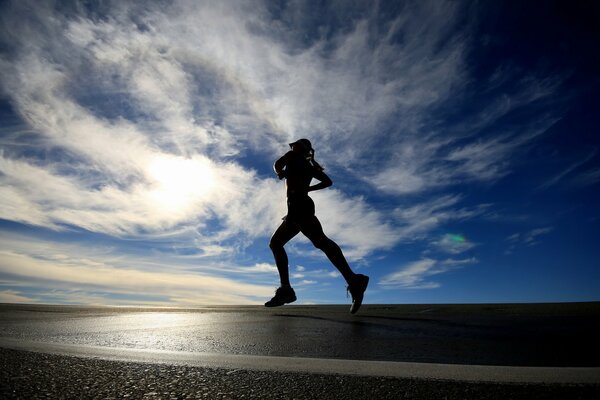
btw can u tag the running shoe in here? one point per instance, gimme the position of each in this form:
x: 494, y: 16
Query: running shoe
x: 283, y: 295
x: 357, y: 287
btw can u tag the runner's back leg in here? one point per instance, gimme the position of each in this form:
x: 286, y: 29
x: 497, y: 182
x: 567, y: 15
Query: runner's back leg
x: 282, y: 235
x: 313, y: 230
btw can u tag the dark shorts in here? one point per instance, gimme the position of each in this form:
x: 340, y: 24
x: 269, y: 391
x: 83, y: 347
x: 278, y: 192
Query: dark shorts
x: 300, y: 209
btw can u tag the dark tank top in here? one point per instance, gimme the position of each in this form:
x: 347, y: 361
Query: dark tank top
x: 299, y: 173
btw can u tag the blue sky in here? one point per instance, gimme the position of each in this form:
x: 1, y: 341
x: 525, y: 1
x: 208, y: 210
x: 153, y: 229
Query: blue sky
x: 137, y: 140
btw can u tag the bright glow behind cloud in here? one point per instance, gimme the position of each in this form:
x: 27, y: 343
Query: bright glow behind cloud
x: 179, y: 182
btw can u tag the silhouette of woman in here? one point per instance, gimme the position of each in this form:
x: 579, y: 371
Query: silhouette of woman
x: 299, y: 167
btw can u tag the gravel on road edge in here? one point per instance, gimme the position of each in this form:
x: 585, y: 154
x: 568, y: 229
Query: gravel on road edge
x: 30, y: 375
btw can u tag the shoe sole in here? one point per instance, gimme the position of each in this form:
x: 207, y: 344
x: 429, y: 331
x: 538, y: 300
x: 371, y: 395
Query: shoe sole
x: 356, y: 304
x: 280, y: 304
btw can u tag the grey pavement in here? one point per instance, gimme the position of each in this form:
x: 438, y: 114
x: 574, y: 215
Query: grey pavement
x: 536, y: 344
x: 32, y: 375
x: 549, y: 335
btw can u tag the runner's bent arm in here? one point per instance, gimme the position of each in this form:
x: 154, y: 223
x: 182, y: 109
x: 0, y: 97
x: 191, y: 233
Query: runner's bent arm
x: 325, y: 181
x: 280, y: 164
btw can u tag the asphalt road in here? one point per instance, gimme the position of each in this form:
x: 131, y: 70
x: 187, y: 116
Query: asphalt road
x: 29, y: 375
x: 549, y: 335
x: 301, y: 352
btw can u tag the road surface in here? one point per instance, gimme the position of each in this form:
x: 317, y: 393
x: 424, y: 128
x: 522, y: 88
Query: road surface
x: 542, y: 344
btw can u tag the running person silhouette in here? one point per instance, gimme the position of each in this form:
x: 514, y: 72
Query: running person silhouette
x: 299, y: 167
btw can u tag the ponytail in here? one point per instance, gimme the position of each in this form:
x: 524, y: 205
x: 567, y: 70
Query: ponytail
x: 311, y: 159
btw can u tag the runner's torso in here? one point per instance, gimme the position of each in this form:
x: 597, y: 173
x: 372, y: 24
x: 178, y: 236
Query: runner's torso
x: 299, y: 173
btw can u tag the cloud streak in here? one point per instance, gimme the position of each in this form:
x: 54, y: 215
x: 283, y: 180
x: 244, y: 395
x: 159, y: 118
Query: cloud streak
x: 45, y: 264
x: 416, y: 275
x: 527, y: 239
x: 574, y: 166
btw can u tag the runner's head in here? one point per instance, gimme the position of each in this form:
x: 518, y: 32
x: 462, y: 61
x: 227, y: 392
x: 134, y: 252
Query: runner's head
x: 302, y: 146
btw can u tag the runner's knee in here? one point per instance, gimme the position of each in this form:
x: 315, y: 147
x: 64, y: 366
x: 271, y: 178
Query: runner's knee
x: 275, y: 244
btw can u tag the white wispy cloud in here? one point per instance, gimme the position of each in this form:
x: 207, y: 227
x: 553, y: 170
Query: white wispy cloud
x: 416, y: 275
x: 347, y: 219
x: 306, y: 282
x: 439, y: 160
x: 574, y: 166
x: 175, y: 285
x: 588, y: 178
x: 259, y: 268
x: 13, y: 296
x: 319, y: 274
x: 530, y: 237
x: 414, y: 221
x: 526, y: 239
x: 453, y: 262
x: 412, y: 276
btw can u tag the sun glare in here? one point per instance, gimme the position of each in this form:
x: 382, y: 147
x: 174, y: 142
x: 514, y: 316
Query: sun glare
x: 179, y: 183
